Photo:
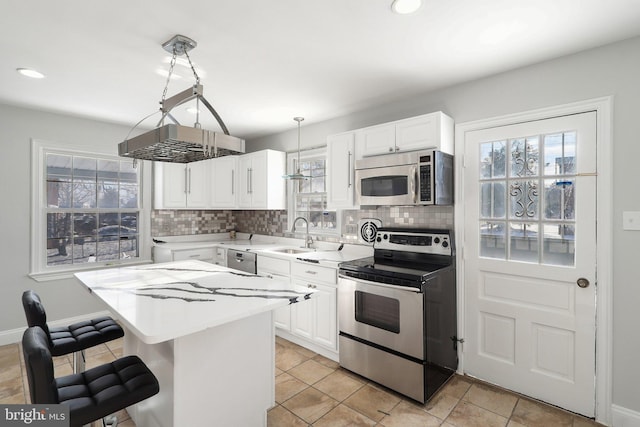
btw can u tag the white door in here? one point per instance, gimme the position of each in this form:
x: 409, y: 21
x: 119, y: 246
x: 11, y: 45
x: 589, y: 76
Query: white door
x: 530, y: 255
x: 223, y: 182
x: 198, y: 184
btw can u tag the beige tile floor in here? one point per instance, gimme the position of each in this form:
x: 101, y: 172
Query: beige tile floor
x: 313, y: 390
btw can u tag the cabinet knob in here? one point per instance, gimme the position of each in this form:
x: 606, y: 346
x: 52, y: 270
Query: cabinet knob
x: 390, y: 149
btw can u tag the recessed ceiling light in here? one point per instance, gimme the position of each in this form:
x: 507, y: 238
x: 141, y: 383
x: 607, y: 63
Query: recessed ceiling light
x: 28, y: 72
x: 404, y: 7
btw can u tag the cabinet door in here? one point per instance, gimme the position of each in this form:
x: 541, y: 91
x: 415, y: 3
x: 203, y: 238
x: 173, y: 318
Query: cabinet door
x: 224, y: 182
x: 379, y: 140
x: 302, y: 314
x: 198, y: 184
x: 259, y: 180
x: 418, y: 133
x: 172, y: 178
x: 340, y: 170
x: 325, y: 331
x: 244, y: 181
x: 282, y: 315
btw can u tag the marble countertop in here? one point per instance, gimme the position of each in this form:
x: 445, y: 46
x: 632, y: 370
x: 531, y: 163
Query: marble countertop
x: 161, y: 302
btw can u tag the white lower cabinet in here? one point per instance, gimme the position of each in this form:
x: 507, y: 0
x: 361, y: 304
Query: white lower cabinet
x: 316, y: 320
x: 280, y: 270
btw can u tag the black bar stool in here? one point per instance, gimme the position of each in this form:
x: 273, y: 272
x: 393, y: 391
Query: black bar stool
x: 90, y: 395
x: 73, y: 338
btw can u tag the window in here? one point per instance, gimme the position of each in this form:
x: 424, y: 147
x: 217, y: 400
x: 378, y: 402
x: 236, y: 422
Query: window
x: 309, y: 196
x: 87, y: 210
x: 527, y: 199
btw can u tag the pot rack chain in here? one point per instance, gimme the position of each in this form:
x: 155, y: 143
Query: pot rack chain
x: 172, y: 64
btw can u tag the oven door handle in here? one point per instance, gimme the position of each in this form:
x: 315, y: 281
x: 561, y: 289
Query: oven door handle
x: 382, y: 285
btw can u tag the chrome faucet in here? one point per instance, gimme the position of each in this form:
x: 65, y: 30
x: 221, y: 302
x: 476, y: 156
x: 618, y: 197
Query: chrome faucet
x: 308, y: 240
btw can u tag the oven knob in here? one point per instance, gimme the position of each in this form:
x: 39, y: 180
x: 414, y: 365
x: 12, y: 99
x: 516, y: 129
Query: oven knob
x: 378, y: 239
x: 445, y: 244
x: 385, y: 237
x: 436, y: 240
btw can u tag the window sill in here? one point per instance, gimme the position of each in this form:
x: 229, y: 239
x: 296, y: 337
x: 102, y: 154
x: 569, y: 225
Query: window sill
x: 47, y: 276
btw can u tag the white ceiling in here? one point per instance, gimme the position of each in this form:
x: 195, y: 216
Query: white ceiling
x: 262, y: 62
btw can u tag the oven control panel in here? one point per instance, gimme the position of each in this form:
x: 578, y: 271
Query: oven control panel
x: 428, y: 241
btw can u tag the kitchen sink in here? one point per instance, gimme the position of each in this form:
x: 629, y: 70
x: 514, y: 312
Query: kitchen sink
x: 291, y: 251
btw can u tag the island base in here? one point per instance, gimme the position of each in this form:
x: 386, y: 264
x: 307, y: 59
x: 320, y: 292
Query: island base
x: 223, y: 376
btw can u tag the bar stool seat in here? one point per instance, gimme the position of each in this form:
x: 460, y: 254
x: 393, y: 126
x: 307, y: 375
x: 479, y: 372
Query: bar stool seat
x: 92, y: 394
x: 74, y: 338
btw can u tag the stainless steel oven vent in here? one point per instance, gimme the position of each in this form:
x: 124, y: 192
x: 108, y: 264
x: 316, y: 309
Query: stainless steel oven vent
x: 176, y: 143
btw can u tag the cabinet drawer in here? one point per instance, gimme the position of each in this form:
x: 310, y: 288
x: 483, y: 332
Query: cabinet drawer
x: 204, y: 254
x: 273, y: 265
x: 314, y: 273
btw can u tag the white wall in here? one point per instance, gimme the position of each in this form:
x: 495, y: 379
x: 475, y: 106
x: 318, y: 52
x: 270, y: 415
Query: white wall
x: 62, y: 298
x: 609, y: 70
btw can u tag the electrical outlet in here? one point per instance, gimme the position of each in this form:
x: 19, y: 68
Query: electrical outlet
x: 630, y: 220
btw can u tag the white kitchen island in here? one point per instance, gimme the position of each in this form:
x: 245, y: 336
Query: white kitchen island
x: 207, y: 334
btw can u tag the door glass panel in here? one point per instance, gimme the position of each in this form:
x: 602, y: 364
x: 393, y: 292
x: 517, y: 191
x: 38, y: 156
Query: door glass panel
x: 492, y: 199
x: 492, y: 240
x: 524, y: 156
x: 559, y: 245
x: 523, y: 242
x: 520, y: 190
x: 523, y: 200
x: 559, y: 199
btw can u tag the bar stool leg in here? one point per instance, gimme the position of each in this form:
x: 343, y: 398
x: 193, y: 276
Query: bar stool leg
x: 78, y: 362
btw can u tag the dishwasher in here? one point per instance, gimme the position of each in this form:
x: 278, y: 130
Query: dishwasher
x: 241, y: 260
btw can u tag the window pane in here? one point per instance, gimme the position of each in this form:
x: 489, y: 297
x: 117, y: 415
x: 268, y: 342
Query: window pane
x: 493, y: 159
x: 84, y: 193
x: 59, y: 230
x: 84, y: 168
x: 524, y: 156
x: 524, y: 242
x: 128, y: 172
x: 559, y: 199
x: 317, y: 185
x: 560, y: 153
x: 492, y: 240
x: 108, y: 194
x: 108, y: 169
x: 492, y: 199
x: 128, y: 195
x: 559, y: 245
x: 523, y: 200
x: 58, y: 181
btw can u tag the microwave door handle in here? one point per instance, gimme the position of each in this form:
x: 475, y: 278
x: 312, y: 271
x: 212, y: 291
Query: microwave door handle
x: 414, y: 186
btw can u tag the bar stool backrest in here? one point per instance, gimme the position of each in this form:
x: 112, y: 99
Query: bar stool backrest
x: 39, y: 365
x: 34, y: 311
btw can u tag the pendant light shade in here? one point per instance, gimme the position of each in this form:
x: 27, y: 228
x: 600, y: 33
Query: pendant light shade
x: 297, y: 176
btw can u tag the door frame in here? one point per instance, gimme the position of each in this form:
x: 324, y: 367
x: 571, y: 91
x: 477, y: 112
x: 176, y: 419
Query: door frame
x: 604, y: 230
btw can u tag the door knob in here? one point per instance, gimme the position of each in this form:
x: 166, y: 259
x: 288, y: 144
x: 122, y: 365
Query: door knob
x: 582, y: 282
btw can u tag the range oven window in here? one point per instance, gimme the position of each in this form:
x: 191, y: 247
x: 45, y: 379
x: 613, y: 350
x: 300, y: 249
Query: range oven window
x: 385, y: 186
x: 378, y: 311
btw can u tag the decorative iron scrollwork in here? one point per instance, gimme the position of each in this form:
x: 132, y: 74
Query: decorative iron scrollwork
x: 525, y: 204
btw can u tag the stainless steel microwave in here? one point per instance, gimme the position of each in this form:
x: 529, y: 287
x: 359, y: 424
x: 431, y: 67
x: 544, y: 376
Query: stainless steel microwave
x: 405, y: 179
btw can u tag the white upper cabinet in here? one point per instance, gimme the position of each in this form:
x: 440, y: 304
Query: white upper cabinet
x: 260, y: 181
x: 434, y: 130
x: 224, y: 182
x: 181, y: 186
x: 341, y: 155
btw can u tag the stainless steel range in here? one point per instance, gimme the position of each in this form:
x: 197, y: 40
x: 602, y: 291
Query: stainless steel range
x: 397, y: 311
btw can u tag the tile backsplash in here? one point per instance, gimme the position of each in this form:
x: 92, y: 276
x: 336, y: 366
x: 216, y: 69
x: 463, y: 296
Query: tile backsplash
x: 274, y: 222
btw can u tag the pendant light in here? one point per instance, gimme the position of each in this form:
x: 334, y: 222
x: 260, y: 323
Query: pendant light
x: 298, y: 176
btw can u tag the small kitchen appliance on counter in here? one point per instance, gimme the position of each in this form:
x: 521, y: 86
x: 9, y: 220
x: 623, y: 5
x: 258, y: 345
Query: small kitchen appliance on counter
x: 397, y: 311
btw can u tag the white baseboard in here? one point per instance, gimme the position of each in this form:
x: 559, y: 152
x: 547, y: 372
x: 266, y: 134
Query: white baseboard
x: 13, y: 336
x: 623, y: 417
x: 333, y: 355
